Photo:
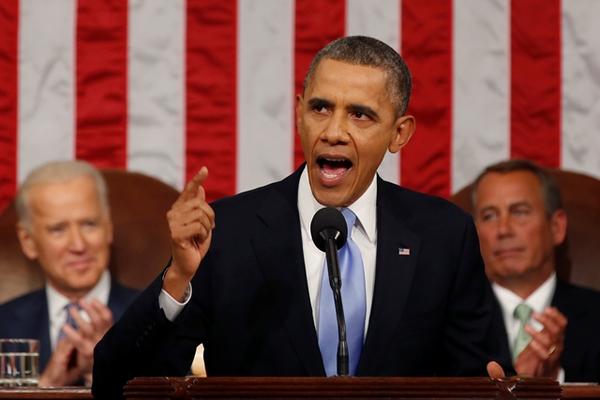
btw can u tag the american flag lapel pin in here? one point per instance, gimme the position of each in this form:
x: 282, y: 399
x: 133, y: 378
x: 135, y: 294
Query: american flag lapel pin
x: 403, y: 251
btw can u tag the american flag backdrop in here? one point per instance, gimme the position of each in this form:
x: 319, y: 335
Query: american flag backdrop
x: 165, y: 86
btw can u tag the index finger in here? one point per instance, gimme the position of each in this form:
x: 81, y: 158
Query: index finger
x: 556, y: 315
x: 553, y: 316
x: 84, y: 324
x: 553, y: 322
x: 100, y: 315
x: 102, y: 310
x: 191, y: 188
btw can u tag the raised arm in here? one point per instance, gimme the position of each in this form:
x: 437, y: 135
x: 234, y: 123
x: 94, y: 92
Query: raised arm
x: 191, y: 220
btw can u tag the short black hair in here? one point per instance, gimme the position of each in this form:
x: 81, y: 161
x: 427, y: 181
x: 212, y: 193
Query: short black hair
x: 367, y: 51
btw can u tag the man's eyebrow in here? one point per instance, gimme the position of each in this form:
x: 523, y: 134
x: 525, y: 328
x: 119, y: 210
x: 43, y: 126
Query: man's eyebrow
x: 358, y: 108
x: 317, y: 102
x: 511, y: 206
x: 522, y: 203
x: 55, y: 224
x: 486, y: 208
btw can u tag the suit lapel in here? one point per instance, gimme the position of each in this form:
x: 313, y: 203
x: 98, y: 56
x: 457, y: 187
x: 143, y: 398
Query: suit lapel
x: 31, y: 322
x: 278, y: 245
x: 567, y: 302
x: 499, y: 346
x: 119, y: 299
x: 396, y: 260
x: 37, y: 316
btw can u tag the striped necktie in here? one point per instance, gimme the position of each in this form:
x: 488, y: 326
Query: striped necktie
x: 69, y: 320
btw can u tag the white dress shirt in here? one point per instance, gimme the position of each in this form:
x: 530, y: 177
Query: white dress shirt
x: 57, y: 313
x: 364, y: 235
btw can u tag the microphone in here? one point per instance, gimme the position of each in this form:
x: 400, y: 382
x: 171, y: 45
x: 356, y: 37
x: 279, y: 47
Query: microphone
x: 329, y: 232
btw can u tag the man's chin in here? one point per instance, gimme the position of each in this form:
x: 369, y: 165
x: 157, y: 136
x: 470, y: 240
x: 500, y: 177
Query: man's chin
x: 331, y: 197
x: 511, y: 272
x: 330, y: 193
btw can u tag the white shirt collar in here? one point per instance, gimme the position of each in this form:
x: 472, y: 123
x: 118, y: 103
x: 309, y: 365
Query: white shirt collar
x: 364, y: 207
x: 57, y: 302
x: 538, y: 300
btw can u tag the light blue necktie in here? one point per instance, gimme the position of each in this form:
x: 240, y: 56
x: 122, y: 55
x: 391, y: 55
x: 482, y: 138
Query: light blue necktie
x: 353, y: 300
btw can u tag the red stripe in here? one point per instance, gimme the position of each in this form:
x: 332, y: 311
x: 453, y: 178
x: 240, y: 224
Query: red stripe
x: 211, y: 93
x: 9, y: 28
x: 427, y: 49
x: 317, y: 23
x: 101, y: 53
x: 536, y: 80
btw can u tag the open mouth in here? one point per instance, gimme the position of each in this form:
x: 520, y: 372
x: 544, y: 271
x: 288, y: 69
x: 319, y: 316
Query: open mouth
x: 333, y: 169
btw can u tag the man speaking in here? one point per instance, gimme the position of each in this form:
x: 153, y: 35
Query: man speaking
x: 247, y: 281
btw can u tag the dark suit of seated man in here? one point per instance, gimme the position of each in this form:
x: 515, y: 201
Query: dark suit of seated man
x: 64, y: 224
x: 520, y: 220
x: 259, y: 289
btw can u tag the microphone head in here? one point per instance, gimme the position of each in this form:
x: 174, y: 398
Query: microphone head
x: 327, y: 223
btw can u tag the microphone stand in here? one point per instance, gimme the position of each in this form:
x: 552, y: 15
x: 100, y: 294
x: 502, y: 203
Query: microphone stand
x: 335, y: 282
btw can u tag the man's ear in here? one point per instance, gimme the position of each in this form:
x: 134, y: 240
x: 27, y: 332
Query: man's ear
x: 27, y: 243
x: 404, y: 128
x: 558, y: 224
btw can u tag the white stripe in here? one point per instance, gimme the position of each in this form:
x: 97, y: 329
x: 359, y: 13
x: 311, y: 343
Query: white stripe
x: 379, y: 19
x: 264, y: 92
x: 156, y: 141
x: 46, y: 83
x: 580, y: 150
x: 156, y: 79
x: 480, y: 87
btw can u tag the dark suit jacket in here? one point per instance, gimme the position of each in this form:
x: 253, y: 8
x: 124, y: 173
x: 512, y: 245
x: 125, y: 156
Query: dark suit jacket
x: 581, y: 355
x: 251, y: 309
x: 27, y: 316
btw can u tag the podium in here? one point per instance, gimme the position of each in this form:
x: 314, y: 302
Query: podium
x: 341, y: 387
x: 391, y: 388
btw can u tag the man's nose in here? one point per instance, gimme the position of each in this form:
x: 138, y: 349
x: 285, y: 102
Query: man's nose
x: 77, y: 240
x: 504, y: 226
x: 336, y: 130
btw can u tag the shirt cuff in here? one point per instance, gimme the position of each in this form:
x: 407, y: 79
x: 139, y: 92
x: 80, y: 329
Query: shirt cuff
x: 172, y: 307
x: 561, y: 376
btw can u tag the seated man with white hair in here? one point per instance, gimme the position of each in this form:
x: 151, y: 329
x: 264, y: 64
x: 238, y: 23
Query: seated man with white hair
x: 64, y: 223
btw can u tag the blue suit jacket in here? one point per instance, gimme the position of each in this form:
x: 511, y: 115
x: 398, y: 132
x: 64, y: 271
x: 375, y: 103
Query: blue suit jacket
x: 251, y: 308
x: 581, y: 356
x: 27, y: 316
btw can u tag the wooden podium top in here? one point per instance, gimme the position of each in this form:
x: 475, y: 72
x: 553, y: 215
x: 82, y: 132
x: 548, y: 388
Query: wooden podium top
x: 411, y: 388
x: 342, y: 387
x: 35, y: 393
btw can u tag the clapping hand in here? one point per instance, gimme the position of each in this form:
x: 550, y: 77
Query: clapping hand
x: 73, y: 357
x: 541, y: 357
